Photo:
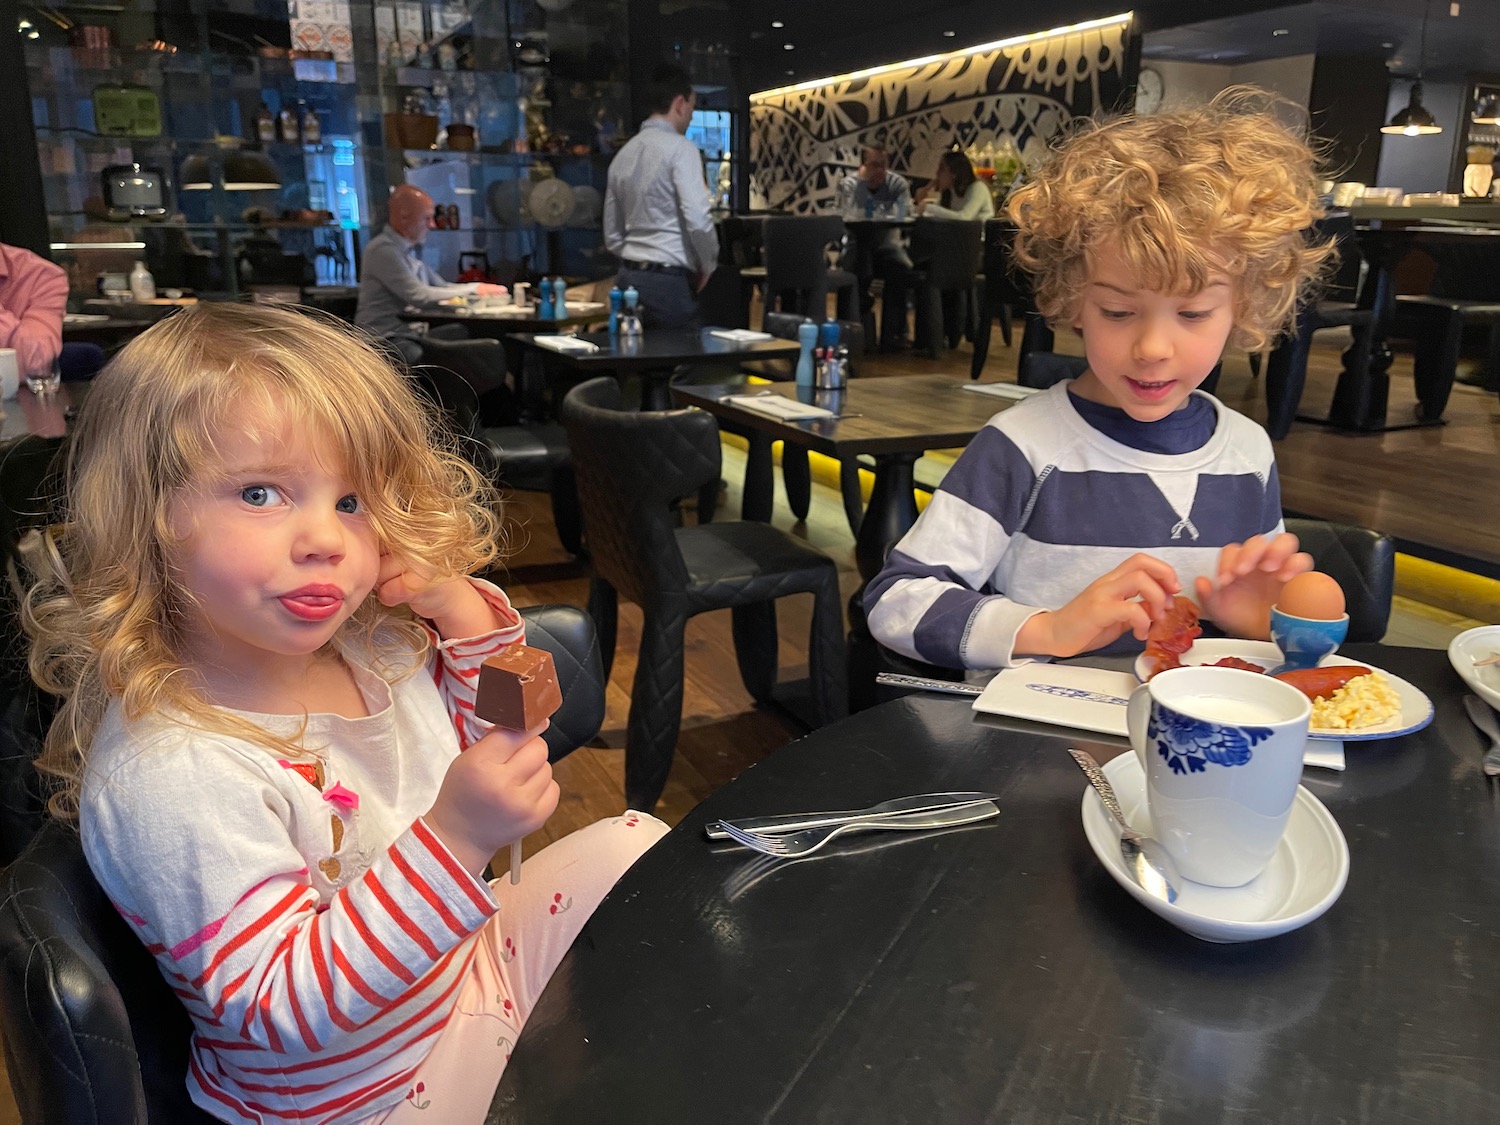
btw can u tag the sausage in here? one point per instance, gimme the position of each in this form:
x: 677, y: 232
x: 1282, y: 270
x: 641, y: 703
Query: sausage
x: 1319, y: 683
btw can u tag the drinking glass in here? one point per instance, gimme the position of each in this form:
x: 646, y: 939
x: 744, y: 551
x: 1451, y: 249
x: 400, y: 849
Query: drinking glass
x: 44, y: 378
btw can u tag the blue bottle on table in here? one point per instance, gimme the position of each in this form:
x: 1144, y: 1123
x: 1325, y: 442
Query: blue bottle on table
x: 616, y: 302
x: 630, y: 321
x: 807, y: 336
x: 546, y: 309
x: 828, y: 335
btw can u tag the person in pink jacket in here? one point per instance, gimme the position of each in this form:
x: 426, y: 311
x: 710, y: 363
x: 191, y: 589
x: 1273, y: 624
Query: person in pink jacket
x: 33, y: 297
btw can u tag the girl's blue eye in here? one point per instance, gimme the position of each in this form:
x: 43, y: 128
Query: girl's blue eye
x: 1195, y: 315
x: 1115, y: 314
x: 259, y: 495
x: 349, y: 505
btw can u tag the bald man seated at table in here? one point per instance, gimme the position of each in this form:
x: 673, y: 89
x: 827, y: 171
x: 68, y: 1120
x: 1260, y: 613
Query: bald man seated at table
x: 393, y: 276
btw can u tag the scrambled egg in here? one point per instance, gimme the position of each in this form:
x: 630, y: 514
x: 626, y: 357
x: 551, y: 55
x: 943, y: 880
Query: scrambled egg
x: 1363, y: 702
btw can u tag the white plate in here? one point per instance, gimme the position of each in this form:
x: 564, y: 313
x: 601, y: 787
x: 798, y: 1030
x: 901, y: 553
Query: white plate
x: 1416, y: 708
x: 1472, y: 645
x: 1303, y: 879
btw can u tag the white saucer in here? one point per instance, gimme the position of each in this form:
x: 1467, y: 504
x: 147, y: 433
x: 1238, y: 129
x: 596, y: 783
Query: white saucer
x: 1476, y: 644
x: 1305, y: 876
x: 1416, y: 708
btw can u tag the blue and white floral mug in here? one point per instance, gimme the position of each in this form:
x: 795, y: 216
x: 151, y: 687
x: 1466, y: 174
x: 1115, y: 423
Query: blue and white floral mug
x: 1222, y: 752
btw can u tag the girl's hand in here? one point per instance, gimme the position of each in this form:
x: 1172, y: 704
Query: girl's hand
x: 1248, y: 583
x: 1126, y: 600
x: 497, y: 791
x: 452, y: 604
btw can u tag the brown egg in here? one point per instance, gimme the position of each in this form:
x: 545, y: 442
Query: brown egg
x: 1317, y: 597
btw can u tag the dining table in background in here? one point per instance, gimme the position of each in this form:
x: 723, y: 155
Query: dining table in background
x: 654, y: 356
x: 995, y: 973
x: 1360, y: 401
x: 41, y: 415
x: 893, y: 420
x: 504, y: 326
x: 102, y: 329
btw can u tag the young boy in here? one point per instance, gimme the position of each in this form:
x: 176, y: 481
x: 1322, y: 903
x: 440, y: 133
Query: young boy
x: 1069, y: 523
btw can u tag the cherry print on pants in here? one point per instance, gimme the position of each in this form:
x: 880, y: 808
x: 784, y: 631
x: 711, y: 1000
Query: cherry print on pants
x: 559, y: 906
x: 414, y: 1093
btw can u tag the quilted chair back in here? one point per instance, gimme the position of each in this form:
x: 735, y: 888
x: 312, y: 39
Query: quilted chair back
x: 631, y: 466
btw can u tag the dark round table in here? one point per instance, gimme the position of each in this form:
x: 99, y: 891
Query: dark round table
x: 995, y: 972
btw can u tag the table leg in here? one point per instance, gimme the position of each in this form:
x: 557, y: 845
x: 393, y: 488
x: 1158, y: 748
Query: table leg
x: 892, y: 511
x: 757, y: 496
x: 655, y: 394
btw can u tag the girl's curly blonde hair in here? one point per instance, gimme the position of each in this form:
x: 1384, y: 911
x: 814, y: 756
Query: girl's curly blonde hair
x: 1222, y: 188
x: 106, y: 615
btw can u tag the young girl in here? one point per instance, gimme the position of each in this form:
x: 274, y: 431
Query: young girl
x: 1072, y: 519
x: 257, y: 617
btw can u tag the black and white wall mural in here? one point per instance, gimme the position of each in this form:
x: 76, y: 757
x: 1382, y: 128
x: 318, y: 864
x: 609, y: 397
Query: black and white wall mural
x: 804, y: 141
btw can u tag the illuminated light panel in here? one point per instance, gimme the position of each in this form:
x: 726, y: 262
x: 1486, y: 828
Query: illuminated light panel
x: 886, y: 68
x: 98, y: 245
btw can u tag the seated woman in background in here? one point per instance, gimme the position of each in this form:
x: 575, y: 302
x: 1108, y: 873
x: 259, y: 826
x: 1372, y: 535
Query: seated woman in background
x: 955, y: 192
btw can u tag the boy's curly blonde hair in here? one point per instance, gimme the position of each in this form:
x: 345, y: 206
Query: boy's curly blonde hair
x: 1222, y: 188
x: 106, y: 614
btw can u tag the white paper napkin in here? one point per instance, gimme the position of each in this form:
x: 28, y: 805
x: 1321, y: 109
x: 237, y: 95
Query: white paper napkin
x: 1068, y: 695
x: 565, y: 343
x: 1002, y: 390
x: 775, y: 406
x: 740, y: 335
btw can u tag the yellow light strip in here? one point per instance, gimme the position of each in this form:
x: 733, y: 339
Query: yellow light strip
x: 886, y: 68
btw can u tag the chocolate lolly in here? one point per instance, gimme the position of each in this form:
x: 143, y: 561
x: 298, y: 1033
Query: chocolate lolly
x: 517, y: 688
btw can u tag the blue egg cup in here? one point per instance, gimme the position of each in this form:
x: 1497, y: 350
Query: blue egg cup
x: 1303, y: 641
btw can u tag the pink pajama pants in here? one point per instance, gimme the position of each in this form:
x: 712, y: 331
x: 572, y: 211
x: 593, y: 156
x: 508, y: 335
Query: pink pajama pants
x: 515, y: 954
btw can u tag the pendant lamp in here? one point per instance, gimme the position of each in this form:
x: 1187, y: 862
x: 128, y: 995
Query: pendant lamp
x: 1414, y: 120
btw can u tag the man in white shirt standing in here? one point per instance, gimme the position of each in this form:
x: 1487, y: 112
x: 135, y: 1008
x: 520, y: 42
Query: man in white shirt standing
x: 656, y: 209
x: 393, y: 276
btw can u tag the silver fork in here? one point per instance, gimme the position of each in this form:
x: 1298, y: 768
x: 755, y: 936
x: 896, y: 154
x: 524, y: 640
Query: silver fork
x: 810, y: 840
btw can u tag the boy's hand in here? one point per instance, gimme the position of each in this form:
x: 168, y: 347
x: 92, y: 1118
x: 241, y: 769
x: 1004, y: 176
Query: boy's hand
x: 454, y: 607
x: 1248, y: 582
x: 1126, y: 600
x: 497, y: 791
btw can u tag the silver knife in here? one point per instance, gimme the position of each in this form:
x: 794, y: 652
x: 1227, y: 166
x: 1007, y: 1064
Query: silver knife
x: 1482, y: 715
x: 793, y: 822
x: 922, y: 683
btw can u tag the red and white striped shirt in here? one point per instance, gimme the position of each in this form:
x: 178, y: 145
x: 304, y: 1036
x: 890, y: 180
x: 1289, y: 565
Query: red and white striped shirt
x: 313, y: 927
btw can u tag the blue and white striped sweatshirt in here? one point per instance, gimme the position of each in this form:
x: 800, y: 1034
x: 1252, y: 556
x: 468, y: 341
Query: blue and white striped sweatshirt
x: 1040, y: 505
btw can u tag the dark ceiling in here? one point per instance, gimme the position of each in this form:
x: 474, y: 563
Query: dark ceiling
x: 834, y: 36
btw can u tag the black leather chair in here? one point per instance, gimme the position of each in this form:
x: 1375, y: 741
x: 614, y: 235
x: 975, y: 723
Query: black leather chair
x: 631, y: 466
x: 946, y: 254
x: 1340, y: 305
x: 794, y: 249
x: 532, y: 456
x: 93, y: 1035
x: 30, y: 470
x: 1005, y: 292
x: 1363, y: 562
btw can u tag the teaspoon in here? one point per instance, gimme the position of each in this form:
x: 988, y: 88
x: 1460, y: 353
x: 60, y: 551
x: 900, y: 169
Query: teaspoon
x: 1146, y: 860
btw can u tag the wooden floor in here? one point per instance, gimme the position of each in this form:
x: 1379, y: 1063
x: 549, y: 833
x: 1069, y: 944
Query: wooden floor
x: 1427, y: 486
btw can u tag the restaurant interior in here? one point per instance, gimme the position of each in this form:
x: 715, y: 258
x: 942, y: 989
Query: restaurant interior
x: 243, y: 150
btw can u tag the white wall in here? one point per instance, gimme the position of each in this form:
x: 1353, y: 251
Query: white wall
x: 1189, y: 83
